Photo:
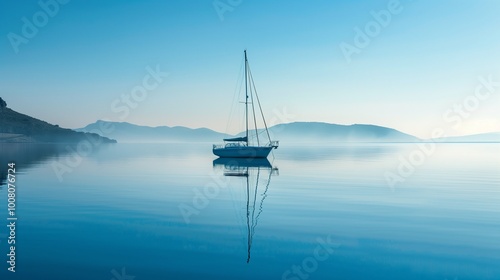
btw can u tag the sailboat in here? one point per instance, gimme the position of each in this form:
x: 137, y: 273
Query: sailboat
x: 251, y: 170
x: 240, y: 147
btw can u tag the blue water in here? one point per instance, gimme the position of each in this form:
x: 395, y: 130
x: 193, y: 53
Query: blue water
x: 164, y: 211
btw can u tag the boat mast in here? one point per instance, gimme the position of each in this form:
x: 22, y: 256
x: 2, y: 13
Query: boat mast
x: 246, y: 96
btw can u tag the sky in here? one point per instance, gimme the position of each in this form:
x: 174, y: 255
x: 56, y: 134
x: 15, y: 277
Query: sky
x: 410, y: 65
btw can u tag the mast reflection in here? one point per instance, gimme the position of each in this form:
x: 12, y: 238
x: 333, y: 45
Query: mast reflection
x: 255, y: 172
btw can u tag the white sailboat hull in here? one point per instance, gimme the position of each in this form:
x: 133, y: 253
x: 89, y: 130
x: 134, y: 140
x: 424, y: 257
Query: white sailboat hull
x: 242, y: 152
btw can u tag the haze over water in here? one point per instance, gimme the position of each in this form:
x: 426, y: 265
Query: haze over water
x: 119, y: 212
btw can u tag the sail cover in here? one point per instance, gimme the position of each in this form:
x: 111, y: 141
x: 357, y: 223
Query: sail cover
x: 237, y: 139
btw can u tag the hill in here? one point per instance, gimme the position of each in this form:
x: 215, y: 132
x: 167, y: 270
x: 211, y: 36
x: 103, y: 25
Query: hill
x: 127, y: 132
x: 493, y: 137
x: 291, y: 132
x: 320, y: 132
x: 19, y: 128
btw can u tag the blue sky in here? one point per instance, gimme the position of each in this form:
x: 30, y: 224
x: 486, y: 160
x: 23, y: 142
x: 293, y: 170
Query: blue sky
x: 412, y: 74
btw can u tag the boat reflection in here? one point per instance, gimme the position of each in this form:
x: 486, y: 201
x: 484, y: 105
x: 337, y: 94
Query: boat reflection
x: 255, y: 172
x: 241, y: 166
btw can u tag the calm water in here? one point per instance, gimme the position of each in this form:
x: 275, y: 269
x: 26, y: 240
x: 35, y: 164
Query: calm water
x: 165, y: 211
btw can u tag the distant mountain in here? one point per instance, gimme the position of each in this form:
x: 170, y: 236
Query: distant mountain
x: 16, y: 127
x: 127, y: 132
x: 326, y: 132
x: 290, y: 132
x: 484, y: 137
